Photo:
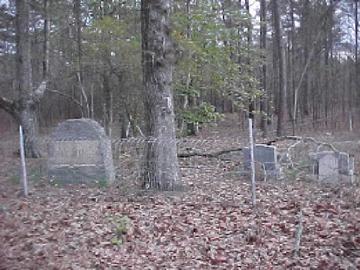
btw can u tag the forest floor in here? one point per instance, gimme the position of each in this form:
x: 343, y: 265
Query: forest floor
x: 211, y: 224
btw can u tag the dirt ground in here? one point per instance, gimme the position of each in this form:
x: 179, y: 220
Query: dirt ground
x: 210, y: 224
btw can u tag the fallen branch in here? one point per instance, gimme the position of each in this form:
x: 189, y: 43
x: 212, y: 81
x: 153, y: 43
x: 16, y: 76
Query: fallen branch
x: 298, y: 140
x: 209, y: 155
x: 219, y: 153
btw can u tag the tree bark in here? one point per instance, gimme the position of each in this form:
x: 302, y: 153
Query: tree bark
x: 263, y: 101
x: 45, y: 63
x: 248, y: 57
x: 278, y: 59
x: 108, y: 114
x: 356, y: 32
x: 161, y: 165
x: 357, y: 66
x: 306, y: 40
x: 24, y: 108
x: 79, y: 66
x: 27, y: 115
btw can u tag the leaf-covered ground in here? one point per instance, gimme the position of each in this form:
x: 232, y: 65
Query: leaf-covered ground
x: 210, y: 225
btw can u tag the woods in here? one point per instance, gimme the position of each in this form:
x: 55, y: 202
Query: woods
x: 172, y: 134
x: 90, y: 54
x: 283, y: 63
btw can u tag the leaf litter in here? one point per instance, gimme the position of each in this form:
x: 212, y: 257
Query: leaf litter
x: 210, y: 225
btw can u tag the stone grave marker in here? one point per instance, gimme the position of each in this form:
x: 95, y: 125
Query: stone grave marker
x: 80, y: 152
x: 329, y: 165
x: 346, y: 164
x: 265, y: 155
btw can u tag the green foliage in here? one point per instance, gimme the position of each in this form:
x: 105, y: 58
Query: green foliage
x: 102, y: 183
x: 116, y: 241
x: 121, y: 225
x: 182, y: 90
x: 214, y: 53
x: 205, y: 113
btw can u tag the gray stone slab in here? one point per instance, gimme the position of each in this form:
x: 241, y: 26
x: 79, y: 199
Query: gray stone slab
x: 329, y: 165
x: 80, y: 152
x: 346, y: 164
x: 263, y: 154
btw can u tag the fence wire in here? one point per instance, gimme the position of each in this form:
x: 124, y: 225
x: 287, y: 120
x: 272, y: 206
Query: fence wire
x: 129, y: 155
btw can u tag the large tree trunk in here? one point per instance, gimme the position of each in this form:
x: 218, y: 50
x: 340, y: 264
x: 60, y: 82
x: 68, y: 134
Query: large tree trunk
x: 27, y: 115
x: 161, y: 165
x: 357, y: 66
x: 263, y: 101
x: 279, y: 69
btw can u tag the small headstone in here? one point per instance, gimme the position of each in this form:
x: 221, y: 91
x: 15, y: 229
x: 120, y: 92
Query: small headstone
x: 346, y: 164
x: 80, y: 152
x: 265, y: 155
x: 329, y: 165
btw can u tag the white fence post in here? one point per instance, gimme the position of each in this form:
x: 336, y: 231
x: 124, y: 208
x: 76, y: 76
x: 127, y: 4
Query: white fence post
x: 253, y: 183
x: 23, y: 165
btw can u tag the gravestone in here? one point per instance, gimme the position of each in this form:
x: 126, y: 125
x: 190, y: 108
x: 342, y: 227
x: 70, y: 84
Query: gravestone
x: 329, y: 165
x: 346, y: 164
x: 80, y: 152
x: 264, y: 154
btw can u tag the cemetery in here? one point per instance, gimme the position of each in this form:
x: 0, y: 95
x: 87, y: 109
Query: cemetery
x: 294, y: 179
x: 159, y: 134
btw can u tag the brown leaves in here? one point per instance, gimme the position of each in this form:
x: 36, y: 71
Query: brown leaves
x: 211, y: 226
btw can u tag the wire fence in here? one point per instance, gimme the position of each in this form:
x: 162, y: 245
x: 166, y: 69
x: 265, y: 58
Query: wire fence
x: 215, y: 155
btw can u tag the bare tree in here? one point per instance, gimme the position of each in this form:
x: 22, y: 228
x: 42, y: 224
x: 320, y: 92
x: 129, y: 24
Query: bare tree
x: 263, y: 101
x: 24, y: 108
x: 357, y: 67
x: 79, y: 65
x: 161, y: 166
x: 45, y: 64
x: 278, y: 68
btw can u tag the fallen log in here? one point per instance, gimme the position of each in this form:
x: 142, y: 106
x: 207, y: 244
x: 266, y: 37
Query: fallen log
x: 209, y: 155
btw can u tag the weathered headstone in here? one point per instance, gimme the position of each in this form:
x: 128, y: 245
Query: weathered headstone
x: 329, y: 165
x: 265, y: 155
x: 80, y: 152
x: 346, y: 164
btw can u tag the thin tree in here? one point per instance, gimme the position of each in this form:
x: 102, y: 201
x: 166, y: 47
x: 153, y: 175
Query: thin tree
x: 161, y: 165
x: 46, y: 31
x: 248, y: 58
x: 85, y: 109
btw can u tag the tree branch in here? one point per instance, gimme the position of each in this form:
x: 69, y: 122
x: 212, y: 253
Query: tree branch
x: 209, y: 155
x: 269, y: 142
x: 67, y: 96
x: 8, y: 105
x: 39, y: 92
